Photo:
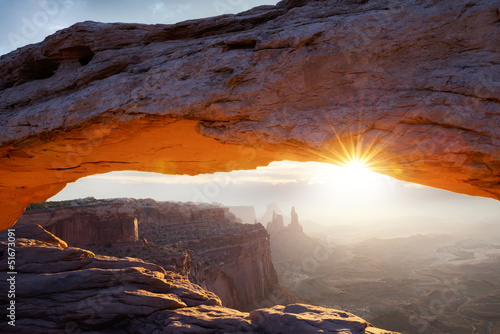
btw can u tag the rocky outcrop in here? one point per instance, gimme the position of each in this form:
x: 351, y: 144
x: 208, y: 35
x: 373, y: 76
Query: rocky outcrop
x: 204, y: 241
x: 65, y: 289
x: 294, y: 222
x: 276, y: 225
x: 92, y: 223
x: 289, y: 243
x: 61, y: 287
x: 231, y: 259
x: 411, y: 87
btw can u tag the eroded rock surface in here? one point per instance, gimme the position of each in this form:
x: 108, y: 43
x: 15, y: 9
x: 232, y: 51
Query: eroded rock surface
x: 68, y: 289
x: 81, y: 225
x: 204, y: 241
x: 412, y: 86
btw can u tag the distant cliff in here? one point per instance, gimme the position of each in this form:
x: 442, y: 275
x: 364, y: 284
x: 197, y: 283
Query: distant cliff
x: 85, y: 222
x: 231, y: 259
x: 289, y: 243
x: 204, y: 241
x: 245, y: 213
x: 64, y: 289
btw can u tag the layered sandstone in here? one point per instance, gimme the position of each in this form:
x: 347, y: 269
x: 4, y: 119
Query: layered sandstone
x: 94, y: 222
x: 204, y: 241
x: 411, y: 86
x: 72, y: 290
x: 231, y: 259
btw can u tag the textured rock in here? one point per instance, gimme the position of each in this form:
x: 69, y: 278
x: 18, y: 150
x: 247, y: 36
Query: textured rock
x: 60, y: 286
x: 231, y: 259
x: 71, y: 290
x: 83, y: 225
x: 310, y: 319
x: 411, y: 86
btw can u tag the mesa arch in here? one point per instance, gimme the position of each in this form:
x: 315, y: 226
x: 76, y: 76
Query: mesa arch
x: 413, y: 83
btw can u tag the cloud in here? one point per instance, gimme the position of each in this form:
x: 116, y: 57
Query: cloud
x: 276, y: 173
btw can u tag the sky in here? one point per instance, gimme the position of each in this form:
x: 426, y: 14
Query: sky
x: 322, y: 193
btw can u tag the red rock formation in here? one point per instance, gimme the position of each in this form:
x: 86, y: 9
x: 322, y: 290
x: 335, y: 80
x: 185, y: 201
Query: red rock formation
x: 66, y: 289
x: 290, y: 243
x: 100, y: 224
x: 294, y: 223
x: 412, y: 86
x: 232, y: 260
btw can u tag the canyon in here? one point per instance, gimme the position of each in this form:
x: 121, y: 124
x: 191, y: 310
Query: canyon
x: 74, y: 290
x: 411, y: 86
x: 202, y: 241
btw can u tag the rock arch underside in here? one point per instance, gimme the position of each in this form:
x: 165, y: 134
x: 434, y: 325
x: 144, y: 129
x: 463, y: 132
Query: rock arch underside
x: 411, y: 85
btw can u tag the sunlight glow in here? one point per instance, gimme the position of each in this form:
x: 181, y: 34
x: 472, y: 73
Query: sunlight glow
x: 356, y: 166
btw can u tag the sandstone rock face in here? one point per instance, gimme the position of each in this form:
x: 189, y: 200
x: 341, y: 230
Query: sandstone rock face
x: 231, y: 259
x: 90, y: 224
x: 72, y: 290
x: 60, y: 287
x: 410, y: 86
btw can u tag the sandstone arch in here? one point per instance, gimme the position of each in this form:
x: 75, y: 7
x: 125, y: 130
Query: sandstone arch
x: 413, y: 84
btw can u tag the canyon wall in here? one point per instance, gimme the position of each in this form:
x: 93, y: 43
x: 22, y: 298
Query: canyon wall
x: 231, y: 259
x: 410, y: 86
x: 72, y: 290
x: 204, y: 241
x: 97, y: 223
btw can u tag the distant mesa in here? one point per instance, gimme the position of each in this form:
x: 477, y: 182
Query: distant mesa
x: 245, y: 213
x: 271, y: 209
x: 289, y: 243
x: 294, y: 224
x: 205, y: 242
x: 277, y: 224
x: 85, y: 221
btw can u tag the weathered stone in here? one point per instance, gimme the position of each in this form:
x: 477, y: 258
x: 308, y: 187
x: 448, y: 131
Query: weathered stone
x: 413, y: 86
x: 231, y: 259
x: 91, y: 224
x: 111, y: 295
x: 310, y: 319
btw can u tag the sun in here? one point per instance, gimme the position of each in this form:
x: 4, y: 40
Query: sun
x: 356, y: 166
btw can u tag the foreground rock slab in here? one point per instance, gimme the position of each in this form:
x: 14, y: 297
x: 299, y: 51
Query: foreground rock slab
x: 410, y: 86
x: 61, y: 288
